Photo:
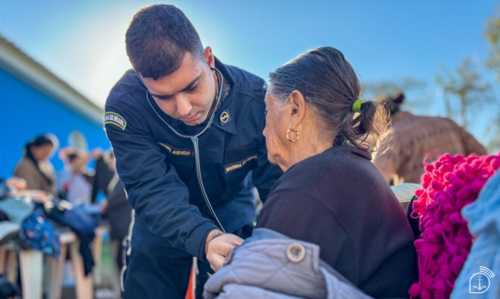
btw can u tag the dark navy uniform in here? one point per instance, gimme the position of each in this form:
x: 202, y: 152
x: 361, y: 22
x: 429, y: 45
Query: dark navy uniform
x: 170, y: 173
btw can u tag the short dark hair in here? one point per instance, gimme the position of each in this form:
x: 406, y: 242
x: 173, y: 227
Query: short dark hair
x: 39, y: 141
x: 72, y: 156
x: 157, y: 39
x: 328, y: 82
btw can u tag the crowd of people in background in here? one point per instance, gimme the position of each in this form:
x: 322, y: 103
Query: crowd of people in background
x: 86, y: 193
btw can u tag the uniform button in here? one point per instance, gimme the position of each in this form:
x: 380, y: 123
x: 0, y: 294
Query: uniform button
x: 296, y: 253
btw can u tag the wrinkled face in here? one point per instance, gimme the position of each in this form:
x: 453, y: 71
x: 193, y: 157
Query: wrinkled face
x: 186, y: 94
x: 277, y: 124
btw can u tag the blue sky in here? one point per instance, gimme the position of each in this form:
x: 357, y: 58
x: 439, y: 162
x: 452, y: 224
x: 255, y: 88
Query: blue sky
x: 83, y: 41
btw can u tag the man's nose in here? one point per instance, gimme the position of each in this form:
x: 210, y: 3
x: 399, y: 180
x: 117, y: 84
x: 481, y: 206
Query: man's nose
x: 184, y: 107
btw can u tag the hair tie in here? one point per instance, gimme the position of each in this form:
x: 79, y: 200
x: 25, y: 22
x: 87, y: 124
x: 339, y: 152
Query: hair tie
x: 356, y: 106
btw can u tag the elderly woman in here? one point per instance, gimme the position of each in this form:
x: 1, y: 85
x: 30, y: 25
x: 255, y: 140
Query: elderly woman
x: 330, y: 193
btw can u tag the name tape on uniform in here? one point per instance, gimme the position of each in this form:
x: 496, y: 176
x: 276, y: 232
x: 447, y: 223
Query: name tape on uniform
x: 115, y: 119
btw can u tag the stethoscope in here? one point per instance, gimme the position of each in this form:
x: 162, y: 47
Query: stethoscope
x: 194, y: 140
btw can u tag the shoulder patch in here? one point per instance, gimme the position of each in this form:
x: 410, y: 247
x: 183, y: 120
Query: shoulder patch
x: 115, y: 119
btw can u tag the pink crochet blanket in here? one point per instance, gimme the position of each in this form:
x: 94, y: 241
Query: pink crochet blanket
x: 447, y: 185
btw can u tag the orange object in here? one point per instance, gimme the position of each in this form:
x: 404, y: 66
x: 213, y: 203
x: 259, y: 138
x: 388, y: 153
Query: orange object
x: 191, y: 288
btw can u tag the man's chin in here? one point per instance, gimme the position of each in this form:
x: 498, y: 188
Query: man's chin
x: 195, y: 122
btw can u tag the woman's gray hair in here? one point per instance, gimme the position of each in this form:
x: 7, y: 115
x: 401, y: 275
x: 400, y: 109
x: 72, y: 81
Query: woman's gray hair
x: 328, y: 82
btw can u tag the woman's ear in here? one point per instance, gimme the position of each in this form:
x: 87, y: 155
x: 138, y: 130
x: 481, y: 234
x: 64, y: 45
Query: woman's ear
x: 298, y: 107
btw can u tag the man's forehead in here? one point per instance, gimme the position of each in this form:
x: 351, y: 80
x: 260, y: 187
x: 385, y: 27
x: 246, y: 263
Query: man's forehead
x: 189, y: 70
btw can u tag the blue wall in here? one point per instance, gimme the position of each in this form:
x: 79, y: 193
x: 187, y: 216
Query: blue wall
x: 26, y: 111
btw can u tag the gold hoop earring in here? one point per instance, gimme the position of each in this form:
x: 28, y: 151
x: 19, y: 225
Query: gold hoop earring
x: 293, y: 135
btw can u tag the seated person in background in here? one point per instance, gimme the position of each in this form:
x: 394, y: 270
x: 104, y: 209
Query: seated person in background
x: 75, y: 181
x: 413, y: 139
x: 35, y: 167
x: 118, y: 211
x: 331, y: 194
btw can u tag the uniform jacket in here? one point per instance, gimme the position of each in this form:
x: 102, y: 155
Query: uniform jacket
x: 159, y: 168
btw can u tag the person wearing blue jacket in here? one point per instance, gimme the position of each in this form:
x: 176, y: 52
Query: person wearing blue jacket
x: 186, y: 130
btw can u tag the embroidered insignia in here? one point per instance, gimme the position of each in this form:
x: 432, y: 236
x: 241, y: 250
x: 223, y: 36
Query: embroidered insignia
x: 115, y: 119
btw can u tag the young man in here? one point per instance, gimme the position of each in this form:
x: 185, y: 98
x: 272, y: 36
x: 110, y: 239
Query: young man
x: 186, y: 130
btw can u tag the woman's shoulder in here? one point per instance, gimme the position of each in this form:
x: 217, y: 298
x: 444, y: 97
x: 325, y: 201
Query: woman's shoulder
x: 334, y: 161
x: 344, y: 170
x: 302, y: 176
x: 24, y: 164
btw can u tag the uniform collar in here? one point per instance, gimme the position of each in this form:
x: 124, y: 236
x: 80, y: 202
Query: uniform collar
x: 224, y: 116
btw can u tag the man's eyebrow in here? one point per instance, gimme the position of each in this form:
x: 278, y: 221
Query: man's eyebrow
x: 188, y: 87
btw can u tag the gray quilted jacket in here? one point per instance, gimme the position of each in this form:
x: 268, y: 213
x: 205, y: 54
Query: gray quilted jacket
x: 272, y: 266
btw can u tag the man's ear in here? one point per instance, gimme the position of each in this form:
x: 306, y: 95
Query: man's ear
x: 209, y: 57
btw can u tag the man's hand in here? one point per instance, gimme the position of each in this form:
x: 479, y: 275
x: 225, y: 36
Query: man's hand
x: 219, y: 246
